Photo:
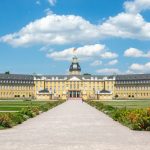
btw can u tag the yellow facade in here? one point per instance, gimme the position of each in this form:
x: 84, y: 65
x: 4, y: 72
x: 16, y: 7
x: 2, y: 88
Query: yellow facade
x: 74, y: 86
x: 11, y: 91
x: 133, y: 89
x: 16, y: 86
x: 79, y: 86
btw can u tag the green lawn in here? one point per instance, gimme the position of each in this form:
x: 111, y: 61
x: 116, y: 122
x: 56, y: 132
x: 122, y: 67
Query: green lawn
x: 18, y: 105
x: 25, y: 110
x: 128, y: 104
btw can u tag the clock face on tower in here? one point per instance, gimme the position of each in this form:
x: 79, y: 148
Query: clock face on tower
x: 75, y: 66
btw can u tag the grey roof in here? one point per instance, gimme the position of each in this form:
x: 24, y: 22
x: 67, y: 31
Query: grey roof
x: 16, y: 77
x: 44, y: 91
x: 104, y: 91
x: 133, y: 77
x: 67, y: 77
x: 75, y: 68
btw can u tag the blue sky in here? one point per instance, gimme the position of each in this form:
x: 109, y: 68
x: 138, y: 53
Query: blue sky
x: 110, y: 37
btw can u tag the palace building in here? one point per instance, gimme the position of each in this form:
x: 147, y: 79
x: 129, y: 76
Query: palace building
x: 16, y: 86
x: 75, y: 85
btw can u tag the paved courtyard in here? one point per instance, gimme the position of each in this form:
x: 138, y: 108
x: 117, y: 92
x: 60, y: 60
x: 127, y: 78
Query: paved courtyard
x: 73, y: 126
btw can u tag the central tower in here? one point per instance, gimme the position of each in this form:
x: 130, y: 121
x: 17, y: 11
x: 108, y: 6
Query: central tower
x: 75, y: 68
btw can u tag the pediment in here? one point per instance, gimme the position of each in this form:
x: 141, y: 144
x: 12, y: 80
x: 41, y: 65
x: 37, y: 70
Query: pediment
x: 74, y: 78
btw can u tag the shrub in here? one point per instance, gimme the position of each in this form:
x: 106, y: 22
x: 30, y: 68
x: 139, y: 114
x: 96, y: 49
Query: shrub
x: 17, y: 118
x: 36, y: 110
x: 43, y: 108
x: 5, y: 120
x: 136, y: 119
x: 27, y: 111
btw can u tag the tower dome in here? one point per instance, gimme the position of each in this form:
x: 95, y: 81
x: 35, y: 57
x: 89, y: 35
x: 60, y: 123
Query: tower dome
x: 75, y: 68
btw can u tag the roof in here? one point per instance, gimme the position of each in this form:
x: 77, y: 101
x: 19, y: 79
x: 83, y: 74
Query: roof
x: 105, y: 91
x: 133, y: 77
x: 16, y: 77
x: 81, y: 77
x: 44, y: 91
x: 75, y: 67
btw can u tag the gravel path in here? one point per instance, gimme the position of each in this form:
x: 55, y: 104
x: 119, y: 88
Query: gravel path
x: 73, y: 126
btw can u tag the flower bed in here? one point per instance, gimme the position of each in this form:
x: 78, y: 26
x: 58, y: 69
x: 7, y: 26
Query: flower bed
x: 135, y: 119
x: 10, y: 119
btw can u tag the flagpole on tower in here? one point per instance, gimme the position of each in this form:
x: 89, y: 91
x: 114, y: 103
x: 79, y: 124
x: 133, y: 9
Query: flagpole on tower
x: 74, y: 51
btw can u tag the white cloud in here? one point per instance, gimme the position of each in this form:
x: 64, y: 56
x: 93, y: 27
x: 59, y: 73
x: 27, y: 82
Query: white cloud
x: 53, y: 30
x: 85, y: 52
x: 82, y: 52
x: 133, y: 52
x: 140, y: 68
x: 124, y: 25
x: 46, y: 49
x: 136, y: 6
x: 113, y: 62
x: 96, y: 63
x: 63, y: 29
x: 129, y: 72
x: 52, y: 2
x: 109, y: 55
x: 108, y: 71
x: 70, y: 29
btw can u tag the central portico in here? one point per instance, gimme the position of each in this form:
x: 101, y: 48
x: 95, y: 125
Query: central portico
x: 74, y: 91
x: 74, y: 94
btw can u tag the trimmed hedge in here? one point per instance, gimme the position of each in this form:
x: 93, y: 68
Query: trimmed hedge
x: 8, y: 120
x: 135, y: 119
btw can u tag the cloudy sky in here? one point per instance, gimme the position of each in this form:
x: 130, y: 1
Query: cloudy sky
x: 110, y: 36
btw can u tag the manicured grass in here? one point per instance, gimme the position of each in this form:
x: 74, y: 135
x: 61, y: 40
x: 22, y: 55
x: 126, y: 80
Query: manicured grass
x: 129, y: 104
x: 21, y: 103
x: 8, y: 108
x: 18, y: 105
x: 25, y: 110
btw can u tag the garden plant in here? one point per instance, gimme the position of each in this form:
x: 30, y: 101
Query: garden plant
x: 10, y: 119
x: 135, y: 119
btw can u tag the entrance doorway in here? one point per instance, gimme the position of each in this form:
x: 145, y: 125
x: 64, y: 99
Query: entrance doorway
x: 74, y: 94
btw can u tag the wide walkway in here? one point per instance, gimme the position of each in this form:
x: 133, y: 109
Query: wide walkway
x: 73, y: 126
